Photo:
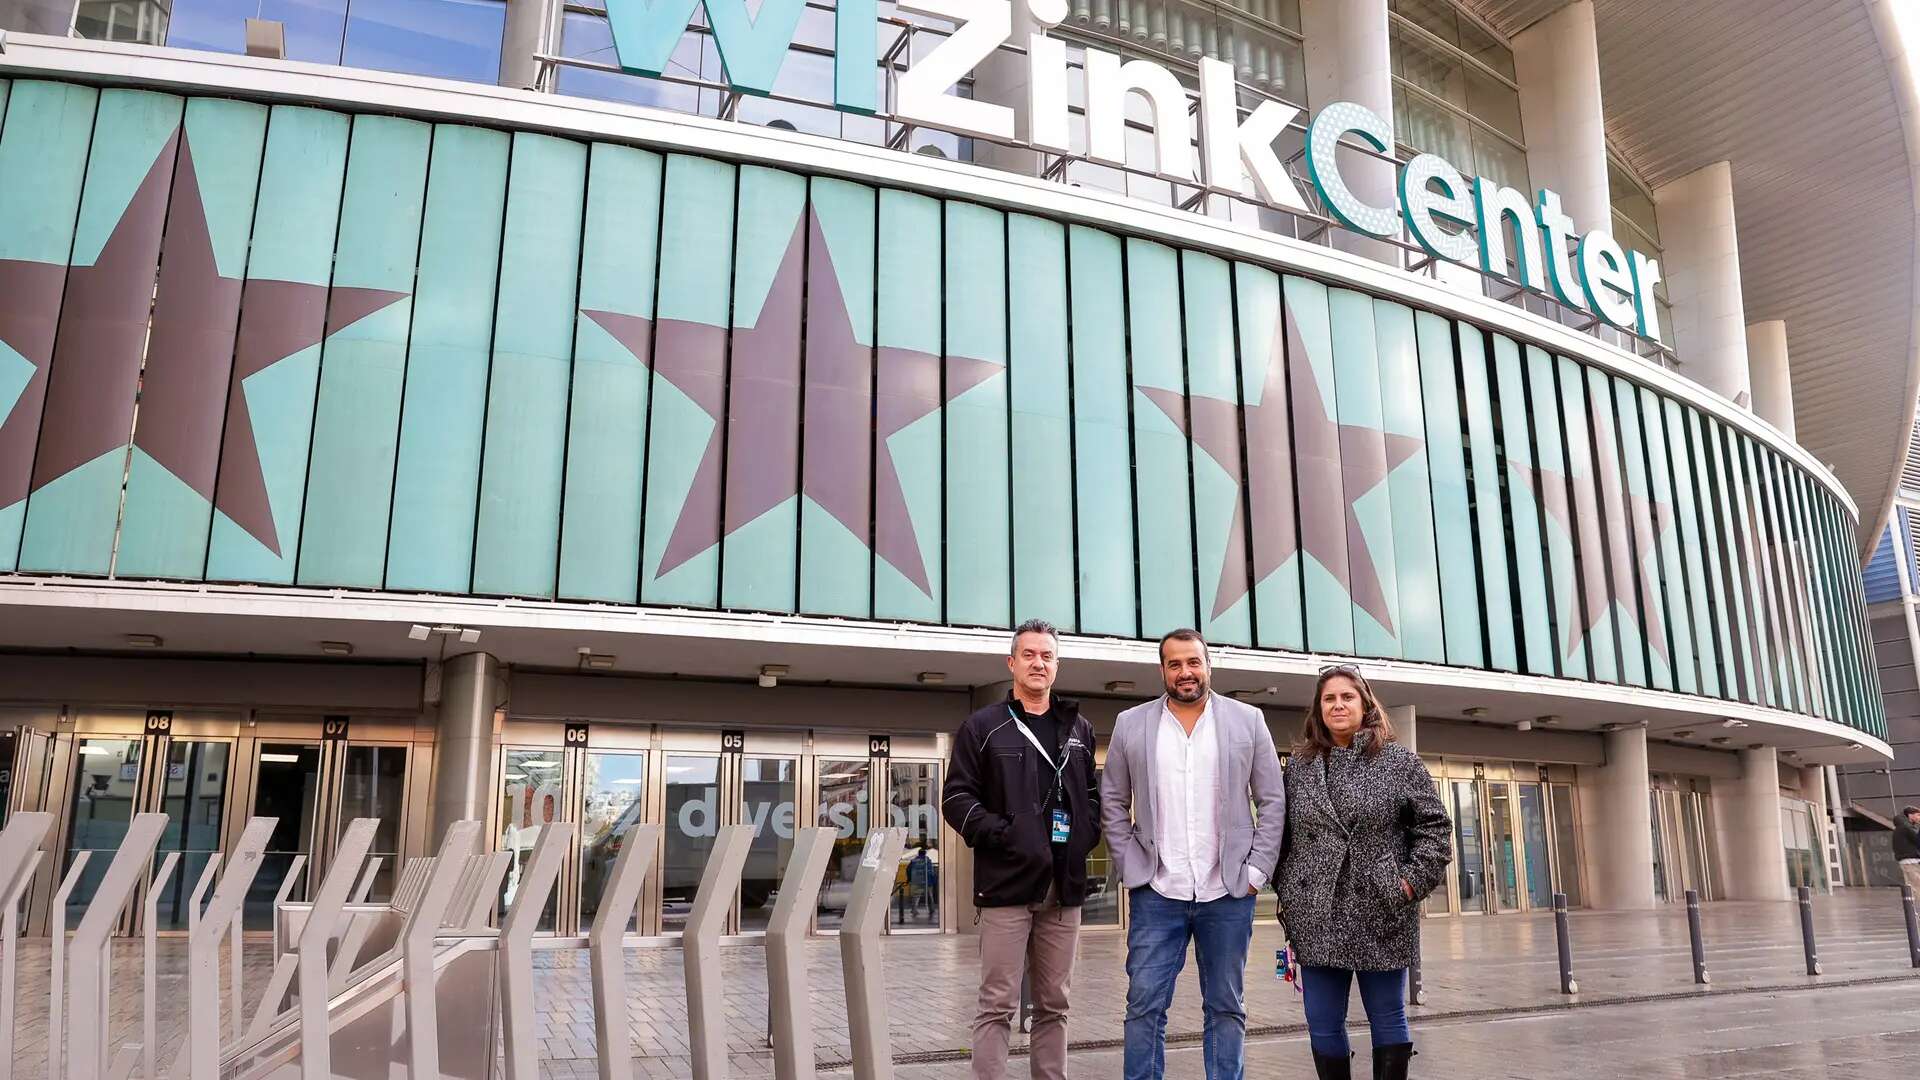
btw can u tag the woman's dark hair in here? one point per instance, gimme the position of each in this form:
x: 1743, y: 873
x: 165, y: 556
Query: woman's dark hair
x: 1315, y: 739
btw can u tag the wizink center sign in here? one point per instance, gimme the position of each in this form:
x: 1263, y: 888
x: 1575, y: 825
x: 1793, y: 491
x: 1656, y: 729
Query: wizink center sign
x: 1479, y: 224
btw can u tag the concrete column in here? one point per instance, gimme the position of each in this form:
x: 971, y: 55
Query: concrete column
x: 472, y: 686
x: 1747, y: 810
x: 1349, y: 58
x: 1702, y: 271
x: 532, y: 27
x: 1557, y: 63
x: 1770, y: 373
x: 1405, y: 726
x: 1618, y: 815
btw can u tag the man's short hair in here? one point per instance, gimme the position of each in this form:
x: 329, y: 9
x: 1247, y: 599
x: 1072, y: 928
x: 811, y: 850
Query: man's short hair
x: 1032, y: 626
x: 1911, y: 810
x: 1185, y: 634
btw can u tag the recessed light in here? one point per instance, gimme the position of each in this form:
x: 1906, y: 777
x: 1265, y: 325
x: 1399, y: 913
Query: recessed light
x: 931, y: 678
x: 1547, y: 721
x: 284, y: 758
x: 1732, y: 723
x: 1476, y: 712
x: 770, y: 674
x: 1684, y: 734
x: 597, y: 661
x: 1719, y: 740
x: 1524, y: 725
x: 337, y: 648
x: 1120, y: 686
x: 144, y: 641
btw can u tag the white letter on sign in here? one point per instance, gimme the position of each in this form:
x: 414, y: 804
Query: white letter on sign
x: 1108, y: 84
x: 983, y: 25
x: 1231, y: 144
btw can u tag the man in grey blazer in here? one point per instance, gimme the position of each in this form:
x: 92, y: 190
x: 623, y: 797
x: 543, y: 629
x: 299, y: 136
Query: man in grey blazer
x: 1194, y: 808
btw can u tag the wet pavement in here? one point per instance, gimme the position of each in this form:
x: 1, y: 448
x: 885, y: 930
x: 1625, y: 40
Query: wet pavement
x: 1491, y: 986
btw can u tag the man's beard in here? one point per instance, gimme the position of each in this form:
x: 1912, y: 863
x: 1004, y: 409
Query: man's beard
x: 1188, y: 697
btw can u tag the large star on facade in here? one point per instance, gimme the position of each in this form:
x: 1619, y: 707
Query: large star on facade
x: 1314, y: 434
x: 840, y: 425
x: 194, y: 373
x: 29, y: 306
x: 1647, y: 519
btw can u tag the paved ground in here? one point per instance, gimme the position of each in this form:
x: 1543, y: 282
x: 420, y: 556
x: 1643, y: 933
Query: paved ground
x: 1476, y: 969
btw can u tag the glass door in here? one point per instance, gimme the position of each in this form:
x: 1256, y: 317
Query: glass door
x: 104, y: 794
x: 691, y: 790
x: 1470, y: 879
x: 913, y: 804
x: 373, y: 783
x: 286, y: 787
x: 1503, y: 863
x: 532, y: 796
x: 1533, y: 843
x: 613, y: 788
x: 843, y: 785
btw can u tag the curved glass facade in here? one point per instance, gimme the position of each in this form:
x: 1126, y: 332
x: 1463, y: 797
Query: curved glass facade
x: 387, y: 354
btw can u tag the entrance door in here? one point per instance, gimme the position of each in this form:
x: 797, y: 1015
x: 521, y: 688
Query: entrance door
x: 1534, y: 845
x: 1503, y: 848
x: 859, y: 783
x: 592, y: 775
x: 1469, y: 853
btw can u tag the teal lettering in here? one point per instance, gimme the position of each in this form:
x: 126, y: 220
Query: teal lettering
x: 751, y: 48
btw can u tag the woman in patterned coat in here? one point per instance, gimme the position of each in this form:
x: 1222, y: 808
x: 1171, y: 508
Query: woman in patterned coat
x: 1367, y: 840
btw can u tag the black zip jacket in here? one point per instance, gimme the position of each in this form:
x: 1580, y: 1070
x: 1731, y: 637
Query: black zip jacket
x: 996, y: 798
x: 1906, y: 839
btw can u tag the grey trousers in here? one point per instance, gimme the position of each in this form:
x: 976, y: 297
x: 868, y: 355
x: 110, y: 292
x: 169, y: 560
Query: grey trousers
x: 1037, y: 939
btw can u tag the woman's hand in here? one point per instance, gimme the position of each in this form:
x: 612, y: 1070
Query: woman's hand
x: 1406, y: 888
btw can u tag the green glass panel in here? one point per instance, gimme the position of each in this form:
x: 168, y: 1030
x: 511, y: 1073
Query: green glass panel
x: 836, y: 523
x: 363, y: 369
x: 680, y: 556
x: 1102, y: 456
x: 1588, y: 524
x: 1317, y: 458
x: 1730, y: 510
x: 1409, y: 485
x: 1165, y: 514
x: 978, y: 541
x: 517, y: 549
x: 1489, y: 515
x: 612, y: 351
x: 1534, y: 565
x: 759, y: 556
x: 1268, y: 419
x: 1550, y: 477
x: 1729, y: 616
x: 1365, y: 461
x: 272, y: 396
x: 1043, y: 574
x: 909, y: 400
x: 1699, y: 591
x: 1618, y: 533
x: 1447, y: 469
x: 1667, y: 564
x: 1213, y: 423
x: 77, y: 473
x: 436, y: 479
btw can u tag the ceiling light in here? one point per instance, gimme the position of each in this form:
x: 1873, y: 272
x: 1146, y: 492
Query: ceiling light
x: 1685, y: 733
x: 144, y: 641
x: 1524, y: 725
x: 1732, y: 723
x: 1475, y: 713
x: 516, y: 776
x: 596, y: 661
x: 1120, y: 686
x: 1855, y: 746
x: 1719, y: 740
x: 469, y: 635
x: 286, y: 758
x: 931, y: 678
x: 337, y: 648
x: 419, y: 632
x: 94, y: 751
x: 770, y: 674
x: 539, y: 764
x: 1547, y: 721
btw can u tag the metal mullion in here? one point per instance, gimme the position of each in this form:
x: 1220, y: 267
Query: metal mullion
x: 1458, y: 53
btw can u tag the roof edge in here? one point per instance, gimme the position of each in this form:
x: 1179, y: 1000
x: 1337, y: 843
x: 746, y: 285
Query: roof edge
x: 1895, y: 48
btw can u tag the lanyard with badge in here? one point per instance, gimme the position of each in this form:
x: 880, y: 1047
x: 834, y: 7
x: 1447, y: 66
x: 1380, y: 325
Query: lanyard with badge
x: 1062, y: 825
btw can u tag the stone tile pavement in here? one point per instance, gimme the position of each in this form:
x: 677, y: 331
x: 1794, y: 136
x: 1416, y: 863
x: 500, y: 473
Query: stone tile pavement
x: 1475, y: 968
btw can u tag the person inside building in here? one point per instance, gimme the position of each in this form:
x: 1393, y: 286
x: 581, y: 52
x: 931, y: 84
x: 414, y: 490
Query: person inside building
x: 1195, y: 804
x: 1021, y: 791
x: 1906, y: 845
x: 1367, y: 841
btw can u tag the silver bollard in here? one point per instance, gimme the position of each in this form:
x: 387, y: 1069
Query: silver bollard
x: 1699, y: 942
x: 619, y: 901
x: 1913, y: 924
x: 860, y: 961
x: 1806, y: 930
x: 1562, y: 933
x: 1416, y: 986
x: 789, y: 1007
x: 700, y: 945
x: 1025, y: 1020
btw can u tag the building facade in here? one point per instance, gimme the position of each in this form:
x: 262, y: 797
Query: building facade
x: 465, y: 409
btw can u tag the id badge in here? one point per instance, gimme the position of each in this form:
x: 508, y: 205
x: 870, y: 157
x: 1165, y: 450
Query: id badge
x: 1061, y: 828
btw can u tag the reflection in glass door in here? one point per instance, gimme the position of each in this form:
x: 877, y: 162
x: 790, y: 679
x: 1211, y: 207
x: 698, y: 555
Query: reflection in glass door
x: 693, y: 820
x: 612, y: 790
x: 531, y: 798
x: 194, y: 798
x: 913, y: 804
x: 286, y: 787
x: 1470, y: 875
x: 1533, y: 842
x: 373, y: 784
x: 1103, y: 882
x: 106, y: 778
x: 1660, y: 860
x: 769, y: 792
x: 1503, y: 861
x: 844, y: 786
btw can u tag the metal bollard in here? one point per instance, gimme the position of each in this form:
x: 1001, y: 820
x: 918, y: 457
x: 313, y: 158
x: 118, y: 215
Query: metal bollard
x: 1025, y: 1021
x: 1416, y: 988
x: 1699, y: 942
x: 1806, y: 930
x: 1913, y: 924
x: 1560, y: 930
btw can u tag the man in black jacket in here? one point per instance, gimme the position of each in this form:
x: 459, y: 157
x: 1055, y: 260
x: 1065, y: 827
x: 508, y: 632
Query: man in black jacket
x: 1021, y: 791
x: 1906, y: 845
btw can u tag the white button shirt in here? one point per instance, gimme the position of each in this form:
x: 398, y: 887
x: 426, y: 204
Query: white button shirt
x: 1187, y: 771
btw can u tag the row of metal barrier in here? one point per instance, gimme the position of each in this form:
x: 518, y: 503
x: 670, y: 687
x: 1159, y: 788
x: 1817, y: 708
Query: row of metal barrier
x: 370, y: 983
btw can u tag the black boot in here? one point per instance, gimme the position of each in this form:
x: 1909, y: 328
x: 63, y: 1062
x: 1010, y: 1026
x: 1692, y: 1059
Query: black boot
x: 1329, y: 1067
x: 1390, y: 1062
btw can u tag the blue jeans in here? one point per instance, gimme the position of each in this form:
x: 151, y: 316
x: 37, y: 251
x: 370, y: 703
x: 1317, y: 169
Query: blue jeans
x: 1157, y: 938
x: 1383, y: 993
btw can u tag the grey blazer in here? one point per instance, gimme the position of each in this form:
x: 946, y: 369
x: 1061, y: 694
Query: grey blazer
x: 1252, y: 798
